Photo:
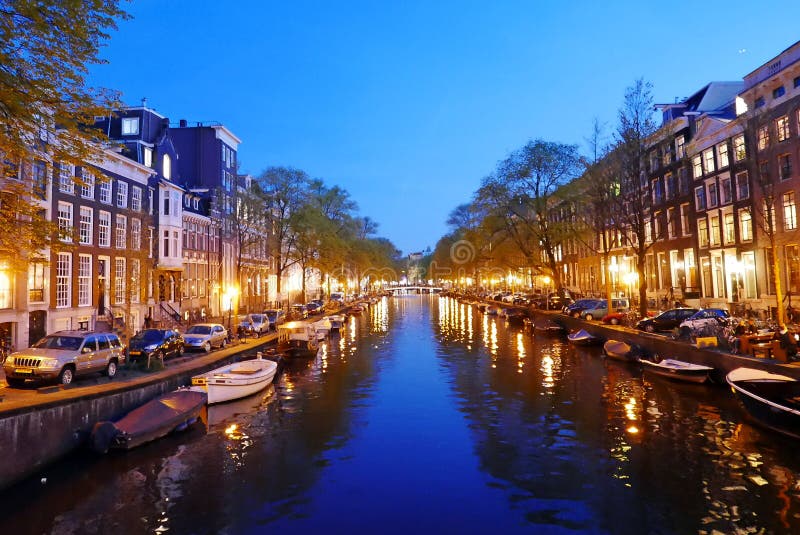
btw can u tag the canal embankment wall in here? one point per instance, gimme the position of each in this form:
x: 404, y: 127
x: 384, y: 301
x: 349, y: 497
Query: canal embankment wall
x: 723, y: 362
x: 46, y: 425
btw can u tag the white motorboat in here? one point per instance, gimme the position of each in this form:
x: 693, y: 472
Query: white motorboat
x: 298, y: 339
x: 337, y: 322
x: 236, y: 380
x: 678, y: 370
x: 323, y: 328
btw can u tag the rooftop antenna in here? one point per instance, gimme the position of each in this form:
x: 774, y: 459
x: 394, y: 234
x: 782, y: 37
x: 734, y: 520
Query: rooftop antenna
x: 144, y: 102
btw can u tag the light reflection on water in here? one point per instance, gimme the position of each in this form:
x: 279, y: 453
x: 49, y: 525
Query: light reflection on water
x: 425, y: 404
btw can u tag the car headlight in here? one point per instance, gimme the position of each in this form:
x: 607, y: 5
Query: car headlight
x: 10, y: 361
x: 48, y: 363
x: 151, y: 347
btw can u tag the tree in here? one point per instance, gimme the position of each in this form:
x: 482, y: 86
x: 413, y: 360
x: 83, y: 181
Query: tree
x: 631, y: 204
x: 45, y: 105
x: 286, y: 190
x: 525, y: 194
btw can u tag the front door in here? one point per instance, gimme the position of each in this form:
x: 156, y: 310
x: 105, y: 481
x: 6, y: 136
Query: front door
x: 36, y: 326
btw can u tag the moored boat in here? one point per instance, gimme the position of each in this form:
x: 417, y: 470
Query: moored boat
x: 337, y: 322
x: 156, y: 418
x: 583, y: 338
x: 236, y: 380
x: 677, y: 370
x: 547, y: 327
x: 772, y: 400
x: 618, y: 350
x: 515, y: 317
x: 322, y: 328
x: 491, y: 310
x: 298, y: 339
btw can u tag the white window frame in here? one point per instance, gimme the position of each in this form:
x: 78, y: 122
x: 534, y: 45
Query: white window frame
x: 63, y: 280
x: 119, y: 280
x: 104, y: 229
x: 66, y: 178
x: 789, y: 210
x: 122, y: 194
x: 130, y: 126
x: 722, y: 155
x: 87, y: 189
x: 136, y: 198
x: 105, y: 191
x: 121, y: 232
x: 166, y: 166
x: 745, y: 225
x: 65, y: 220
x: 136, y: 234
x: 147, y: 156
x: 84, y: 280
x: 86, y: 225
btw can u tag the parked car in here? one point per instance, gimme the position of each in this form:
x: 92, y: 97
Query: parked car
x: 600, y: 308
x: 255, y: 324
x: 155, y: 343
x: 298, y: 312
x: 276, y: 317
x: 704, y: 319
x: 666, y: 321
x: 205, y: 336
x: 575, y: 309
x: 313, y: 308
x: 64, y: 355
x: 337, y: 296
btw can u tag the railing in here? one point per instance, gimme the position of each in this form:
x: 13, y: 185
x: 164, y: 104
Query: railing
x: 173, y: 314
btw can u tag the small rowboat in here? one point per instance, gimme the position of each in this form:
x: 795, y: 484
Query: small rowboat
x: 547, y: 327
x: 772, y: 400
x: 618, y: 350
x: 158, y: 417
x: 583, y: 338
x: 516, y: 317
x: 235, y: 381
x: 677, y: 370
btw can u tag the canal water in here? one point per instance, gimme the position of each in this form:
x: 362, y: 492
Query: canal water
x: 426, y: 416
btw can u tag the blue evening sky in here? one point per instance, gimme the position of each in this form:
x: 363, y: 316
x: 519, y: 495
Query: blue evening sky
x: 407, y: 105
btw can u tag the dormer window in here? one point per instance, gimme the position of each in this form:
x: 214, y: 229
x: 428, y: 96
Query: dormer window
x: 166, y: 167
x: 196, y: 204
x: 147, y: 154
x: 130, y: 126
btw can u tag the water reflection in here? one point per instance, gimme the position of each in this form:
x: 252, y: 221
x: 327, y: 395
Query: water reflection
x: 426, y: 405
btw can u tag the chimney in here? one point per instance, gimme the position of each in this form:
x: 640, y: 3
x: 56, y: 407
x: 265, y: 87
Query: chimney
x: 183, y: 123
x: 144, y: 102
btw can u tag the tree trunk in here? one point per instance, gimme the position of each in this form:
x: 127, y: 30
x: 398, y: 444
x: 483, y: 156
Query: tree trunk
x: 776, y: 273
x: 640, y: 263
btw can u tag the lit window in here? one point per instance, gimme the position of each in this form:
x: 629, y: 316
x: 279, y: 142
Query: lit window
x: 730, y: 229
x: 702, y: 232
x: 782, y: 128
x: 697, y: 166
x: 745, y: 225
x: 166, y: 167
x: 739, y: 152
x: 722, y: 155
x: 708, y: 160
x: 763, y: 137
x: 147, y: 153
x: 789, y: 211
x: 715, y: 231
x: 685, y: 219
x: 130, y: 126
x: 680, y: 146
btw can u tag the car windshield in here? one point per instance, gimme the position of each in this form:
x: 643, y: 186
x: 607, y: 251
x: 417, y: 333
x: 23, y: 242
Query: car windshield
x: 199, y: 329
x: 149, y: 335
x: 258, y: 318
x: 271, y: 314
x: 67, y: 343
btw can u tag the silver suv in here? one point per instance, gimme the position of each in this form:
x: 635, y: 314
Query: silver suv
x: 65, y: 355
